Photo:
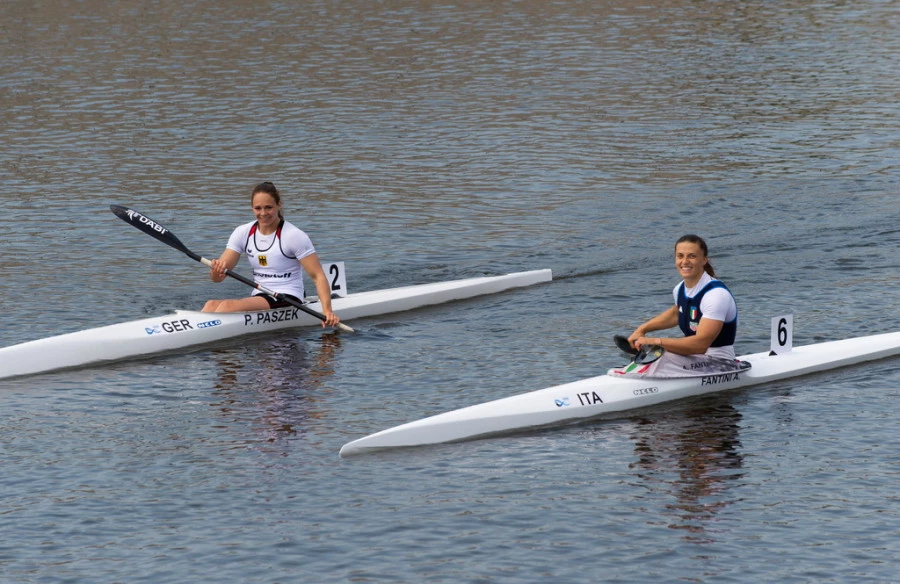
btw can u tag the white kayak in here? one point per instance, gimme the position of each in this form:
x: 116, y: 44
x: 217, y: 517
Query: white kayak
x: 608, y: 395
x: 189, y: 328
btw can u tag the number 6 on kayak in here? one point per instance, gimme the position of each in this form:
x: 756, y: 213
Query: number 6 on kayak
x: 782, y: 334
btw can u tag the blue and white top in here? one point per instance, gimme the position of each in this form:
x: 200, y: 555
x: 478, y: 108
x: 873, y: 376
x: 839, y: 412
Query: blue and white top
x: 712, y: 299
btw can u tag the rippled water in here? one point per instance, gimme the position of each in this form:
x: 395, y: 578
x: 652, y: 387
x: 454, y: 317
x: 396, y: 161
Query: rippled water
x: 420, y: 142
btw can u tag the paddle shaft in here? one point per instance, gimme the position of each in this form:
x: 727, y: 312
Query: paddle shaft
x: 157, y: 231
x: 275, y: 295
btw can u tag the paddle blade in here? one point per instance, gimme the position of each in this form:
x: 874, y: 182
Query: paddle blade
x: 151, y: 228
x: 623, y: 345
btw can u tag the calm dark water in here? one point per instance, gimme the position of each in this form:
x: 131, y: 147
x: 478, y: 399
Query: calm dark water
x: 427, y: 141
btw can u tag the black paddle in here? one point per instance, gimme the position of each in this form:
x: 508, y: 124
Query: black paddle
x: 647, y: 354
x: 624, y: 345
x: 154, y: 229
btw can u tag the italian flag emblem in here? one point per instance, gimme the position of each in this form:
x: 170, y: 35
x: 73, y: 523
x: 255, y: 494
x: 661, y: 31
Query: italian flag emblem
x: 635, y: 368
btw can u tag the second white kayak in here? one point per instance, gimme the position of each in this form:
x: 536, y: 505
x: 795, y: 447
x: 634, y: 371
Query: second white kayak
x: 609, y: 394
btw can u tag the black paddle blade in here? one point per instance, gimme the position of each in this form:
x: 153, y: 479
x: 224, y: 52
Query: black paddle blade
x: 623, y: 345
x: 151, y: 228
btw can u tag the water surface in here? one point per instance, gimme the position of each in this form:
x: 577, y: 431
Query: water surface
x: 420, y: 142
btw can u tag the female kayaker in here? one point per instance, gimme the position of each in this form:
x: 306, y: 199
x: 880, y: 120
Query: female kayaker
x: 276, y: 250
x: 705, y: 311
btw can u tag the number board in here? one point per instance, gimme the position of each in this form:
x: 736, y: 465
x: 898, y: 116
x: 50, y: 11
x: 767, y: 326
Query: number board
x: 337, y: 278
x: 782, y: 334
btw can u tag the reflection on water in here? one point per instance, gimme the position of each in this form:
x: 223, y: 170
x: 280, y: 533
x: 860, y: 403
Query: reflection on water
x: 274, y: 386
x: 694, y: 455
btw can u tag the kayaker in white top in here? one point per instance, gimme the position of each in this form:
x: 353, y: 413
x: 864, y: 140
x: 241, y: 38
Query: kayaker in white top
x: 276, y: 250
x: 705, y: 311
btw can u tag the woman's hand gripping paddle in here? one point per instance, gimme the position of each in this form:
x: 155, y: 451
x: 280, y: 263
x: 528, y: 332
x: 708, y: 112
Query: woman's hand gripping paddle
x: 647, y: 353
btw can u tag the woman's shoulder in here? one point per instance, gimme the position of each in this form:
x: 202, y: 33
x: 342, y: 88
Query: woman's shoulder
x: 717, y: 291
x: 295, y: 238
x: 290, y: 229
x: 244, y: 228
x: 710, y: 283
x: 715, y: 283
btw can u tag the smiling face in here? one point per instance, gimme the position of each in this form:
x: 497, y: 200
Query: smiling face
x: 690, y: 261
x: 266, y: 210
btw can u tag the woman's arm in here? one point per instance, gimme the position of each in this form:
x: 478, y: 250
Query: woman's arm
x: 707, y: 331
x: 664, y: 320
x: 314, y: 268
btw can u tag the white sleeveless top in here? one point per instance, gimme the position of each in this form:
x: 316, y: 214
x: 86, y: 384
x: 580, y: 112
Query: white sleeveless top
x: 275, y: 258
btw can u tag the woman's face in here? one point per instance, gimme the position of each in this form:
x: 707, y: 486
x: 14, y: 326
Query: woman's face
x: 689, y: 261
x: 266, y: 209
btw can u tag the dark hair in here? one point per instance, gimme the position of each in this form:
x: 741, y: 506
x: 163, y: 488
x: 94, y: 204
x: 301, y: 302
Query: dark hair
x: 691, y: 238
x: 269, y: 189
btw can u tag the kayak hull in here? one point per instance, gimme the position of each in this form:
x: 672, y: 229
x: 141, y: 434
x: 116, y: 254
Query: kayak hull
x: 610, y: 394
x: 189, y: 328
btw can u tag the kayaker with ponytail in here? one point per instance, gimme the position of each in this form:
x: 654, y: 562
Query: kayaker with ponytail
x: 704, y: 310
x: 277, y: 250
